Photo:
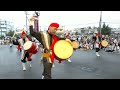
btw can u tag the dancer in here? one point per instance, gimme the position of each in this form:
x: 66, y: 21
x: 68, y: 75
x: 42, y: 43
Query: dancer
x: 24, y: 54
x: 97, y: 43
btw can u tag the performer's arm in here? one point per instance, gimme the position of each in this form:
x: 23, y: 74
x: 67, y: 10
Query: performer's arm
x: 35, y: 34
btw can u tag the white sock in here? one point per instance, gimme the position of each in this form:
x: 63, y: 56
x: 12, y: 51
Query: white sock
x: 24, y: 66
x: 42, y: 77
x: 29, y: 62
x: 69, y: 60
x: 97, y: 54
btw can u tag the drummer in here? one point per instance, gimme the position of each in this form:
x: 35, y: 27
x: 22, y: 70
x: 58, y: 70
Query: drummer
x: 24, y: 54
x: 47, y: 63
x: 97, y: 42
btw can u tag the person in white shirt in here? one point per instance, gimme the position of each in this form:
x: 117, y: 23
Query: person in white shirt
x: 115, y: 44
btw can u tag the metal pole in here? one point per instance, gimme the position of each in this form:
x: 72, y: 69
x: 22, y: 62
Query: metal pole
x: 26, y: 21
x: 100, y: 23
x: 1, y: 29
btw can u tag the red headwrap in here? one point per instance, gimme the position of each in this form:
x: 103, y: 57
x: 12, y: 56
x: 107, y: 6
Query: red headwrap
x: 23, y: 32
x: 99, y: 33
x: 54, y: 25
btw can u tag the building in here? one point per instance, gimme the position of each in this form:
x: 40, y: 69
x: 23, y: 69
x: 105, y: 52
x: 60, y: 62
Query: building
x: 5, y: 26
x: 115, y: 30
x: 85, y: 30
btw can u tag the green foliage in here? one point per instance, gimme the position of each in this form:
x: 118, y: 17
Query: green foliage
x: 10, y: 33
x: 105, y: 30
x: 1, y: 37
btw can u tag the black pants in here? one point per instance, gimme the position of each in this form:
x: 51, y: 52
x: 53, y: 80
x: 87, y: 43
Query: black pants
x: 93, y: 46
x: 115, y: 47
x: 26, y: 56
x: 97, y: 49
x: 47, y: 69
x: 20, y: 49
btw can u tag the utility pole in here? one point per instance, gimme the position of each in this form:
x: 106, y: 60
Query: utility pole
x: 100, y: 22
x: 1, y: 29
x: 26, y: 21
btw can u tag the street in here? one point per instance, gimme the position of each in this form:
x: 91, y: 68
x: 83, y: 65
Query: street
x: 85, y: 65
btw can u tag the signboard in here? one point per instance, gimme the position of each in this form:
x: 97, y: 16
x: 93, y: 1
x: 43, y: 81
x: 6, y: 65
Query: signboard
x: 36, y: 25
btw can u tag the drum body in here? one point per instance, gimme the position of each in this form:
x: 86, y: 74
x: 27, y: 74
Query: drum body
x: 104, y: 43
x: 30, y: 47
x: 63, y: 50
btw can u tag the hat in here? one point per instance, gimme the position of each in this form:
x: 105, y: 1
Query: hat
x: 54, y: 25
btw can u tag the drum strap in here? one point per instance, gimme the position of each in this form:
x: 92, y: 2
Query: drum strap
x: 45, y: 37
x: 44, y: 43
x: 49, y: 44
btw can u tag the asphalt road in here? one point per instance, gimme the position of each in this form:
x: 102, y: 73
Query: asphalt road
x: 85, y: 65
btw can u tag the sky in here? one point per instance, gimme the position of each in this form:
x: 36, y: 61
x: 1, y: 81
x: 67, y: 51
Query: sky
x: 68, y: 19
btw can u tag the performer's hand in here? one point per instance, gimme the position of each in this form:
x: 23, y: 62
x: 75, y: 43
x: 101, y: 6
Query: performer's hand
x: 31, y: 20
x: 46, y: 50
x: 12, y: 39
x: 68, y: 40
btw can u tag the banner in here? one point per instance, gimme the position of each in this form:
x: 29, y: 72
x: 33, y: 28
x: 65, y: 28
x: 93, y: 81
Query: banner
x: 36, y: 25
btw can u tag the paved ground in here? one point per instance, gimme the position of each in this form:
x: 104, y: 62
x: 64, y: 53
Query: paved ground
x: 85, y: 65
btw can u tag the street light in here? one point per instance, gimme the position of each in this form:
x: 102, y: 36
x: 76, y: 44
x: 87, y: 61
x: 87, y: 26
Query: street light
x: 37, y: 13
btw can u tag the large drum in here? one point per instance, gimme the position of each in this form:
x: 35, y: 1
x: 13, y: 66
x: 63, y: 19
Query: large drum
x: 75, y: 44
x: 104, y: 43
x: 30, y: 47
x: 63, y: 50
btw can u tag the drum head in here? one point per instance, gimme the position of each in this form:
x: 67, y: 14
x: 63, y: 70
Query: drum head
x: 27, y: 45
x: 75, y: 44
x: 104, y: 43
x: 63, y: 49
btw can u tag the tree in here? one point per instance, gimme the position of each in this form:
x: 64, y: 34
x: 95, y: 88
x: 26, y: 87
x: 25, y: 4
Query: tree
x: 10, y: 33
x: 89, y: 27
x: 105, y: 30
x: 1, y: 37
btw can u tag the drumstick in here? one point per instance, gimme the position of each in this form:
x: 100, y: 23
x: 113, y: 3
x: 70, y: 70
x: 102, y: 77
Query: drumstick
x: 14, y: 34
